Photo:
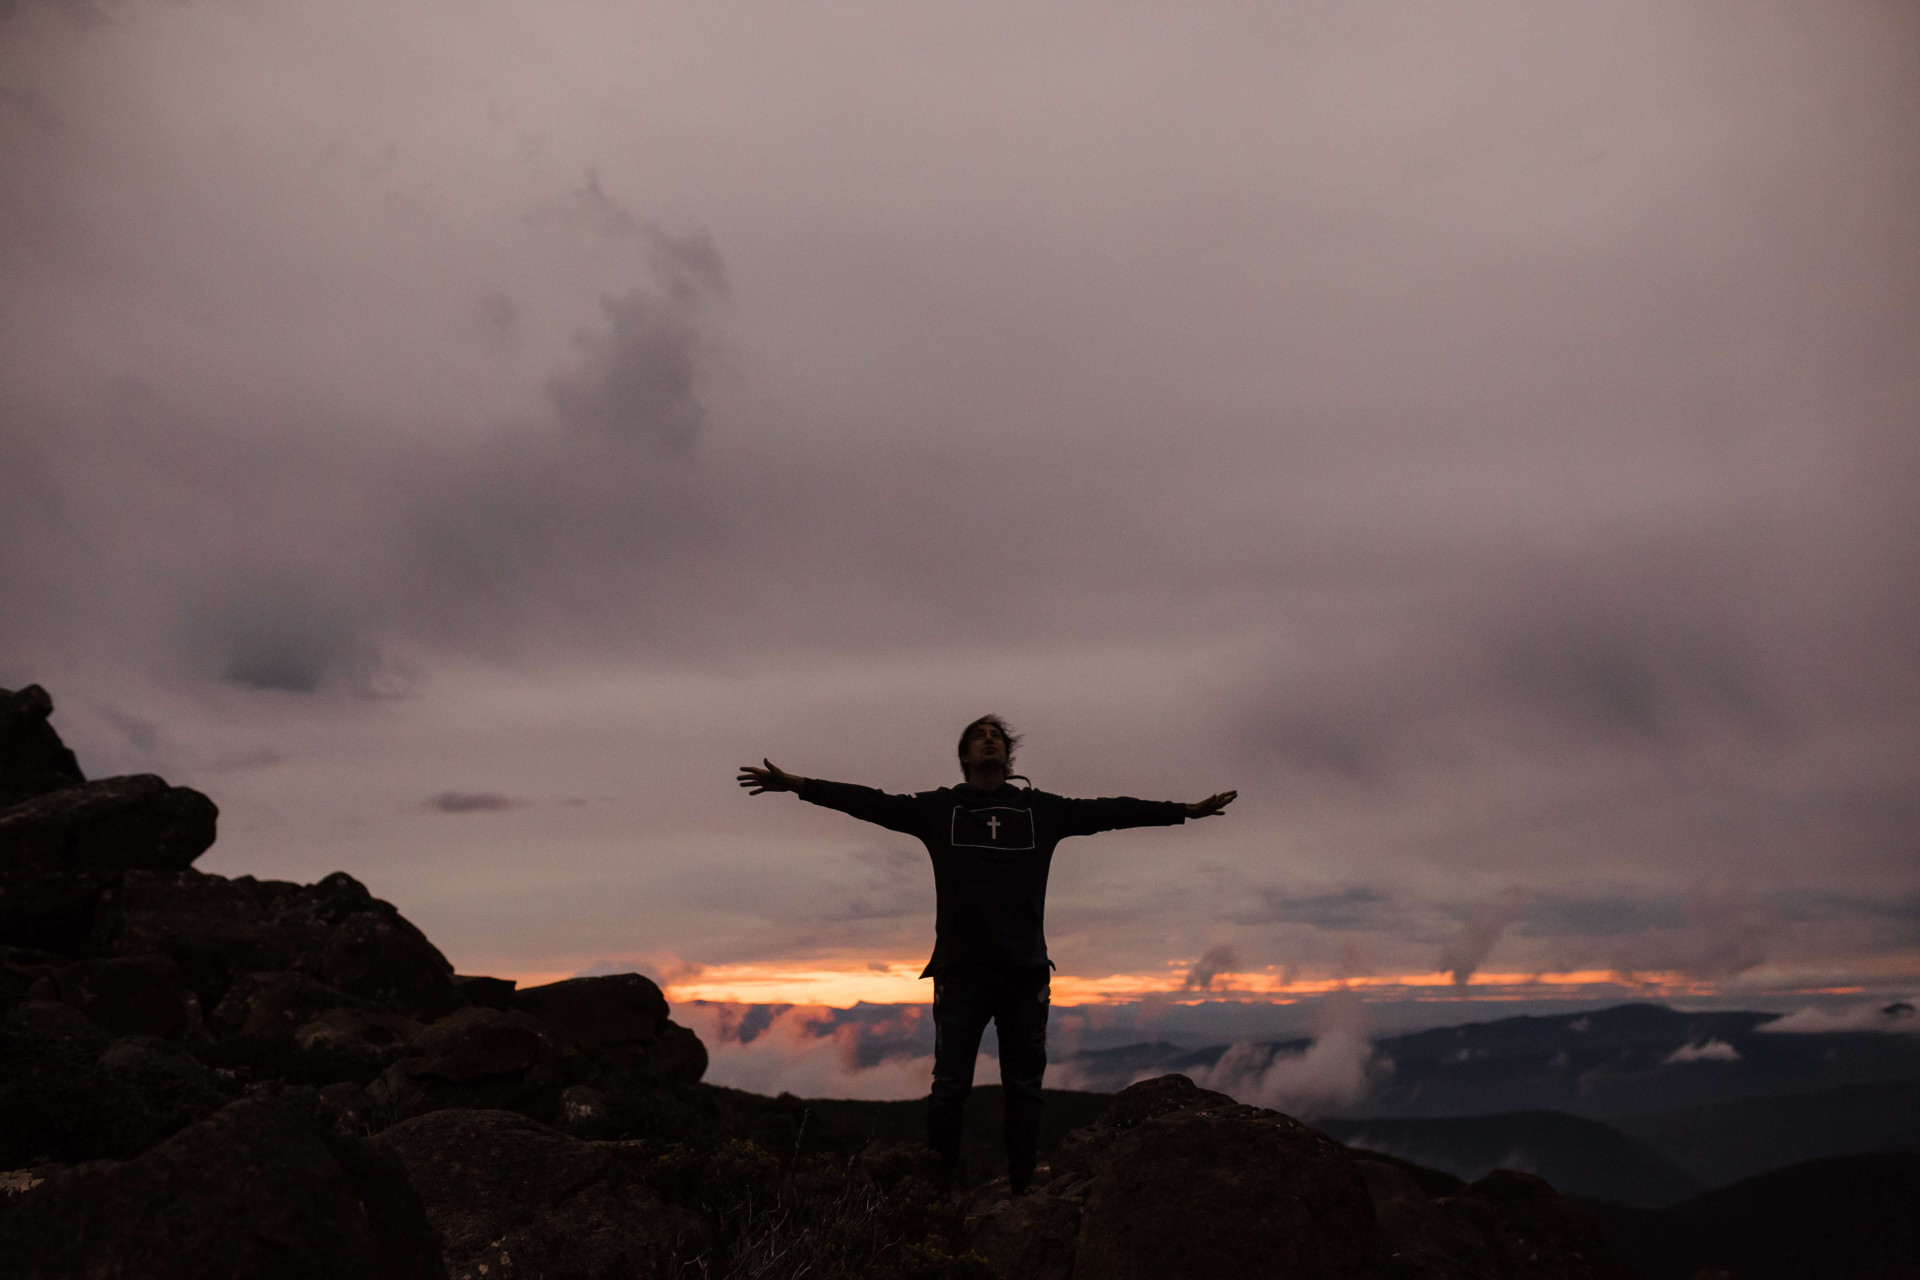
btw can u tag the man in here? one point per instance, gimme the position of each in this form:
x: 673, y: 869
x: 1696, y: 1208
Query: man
x: 991, y: 844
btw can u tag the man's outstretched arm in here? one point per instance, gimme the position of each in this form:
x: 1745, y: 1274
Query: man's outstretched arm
x: 1213, y: 806
x: 896, y: 813
x: 1113, y: 813
x: 771, y: 778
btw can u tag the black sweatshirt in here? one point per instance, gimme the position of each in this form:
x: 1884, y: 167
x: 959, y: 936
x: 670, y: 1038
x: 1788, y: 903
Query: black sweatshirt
x: 991, y: 851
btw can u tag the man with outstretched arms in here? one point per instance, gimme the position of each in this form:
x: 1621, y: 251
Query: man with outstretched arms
x: 991, y: 844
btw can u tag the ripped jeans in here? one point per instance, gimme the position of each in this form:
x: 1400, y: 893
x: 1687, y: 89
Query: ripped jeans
x: 1016, y: 1001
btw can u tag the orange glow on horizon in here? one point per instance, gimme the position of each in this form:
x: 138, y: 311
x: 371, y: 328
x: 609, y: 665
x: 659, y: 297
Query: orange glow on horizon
x: 842, y: 983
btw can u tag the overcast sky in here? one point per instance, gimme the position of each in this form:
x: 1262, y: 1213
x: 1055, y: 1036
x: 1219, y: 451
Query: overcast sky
x: 454, y: 436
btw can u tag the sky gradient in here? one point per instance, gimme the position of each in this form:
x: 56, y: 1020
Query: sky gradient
x: 454, y: 437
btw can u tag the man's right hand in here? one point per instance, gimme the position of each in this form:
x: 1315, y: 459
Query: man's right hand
x: 771, y: 778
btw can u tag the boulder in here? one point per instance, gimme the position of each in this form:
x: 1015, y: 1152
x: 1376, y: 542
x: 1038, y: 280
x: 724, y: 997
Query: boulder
x: 516, y: 1198
x: 214, y: 928
x: 1033, y: 1236
x: 478, y: 1043
x: 616, y: 1009
x: 335, y: 932
x: 276, y: 1003
x: 33, y: 760
x: 494, y: 993
x: 51, y: 1086
x: 345, y: 1106
x: 26, y: 973
x: 350, y: 1044
x: 68, y: 1091
x: 254, y: 1190
x: 1423, y: 1239
x: 1230, y: 1191
x: 60, y: 850
x: 1535, y: 1233
x: 586, y: 1113
x: 476, y: 1057
x: 380, y: 956
x: 129, y: 995
x: 676, y: 1056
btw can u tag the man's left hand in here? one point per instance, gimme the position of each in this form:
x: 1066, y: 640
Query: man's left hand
x: 1212, y: 805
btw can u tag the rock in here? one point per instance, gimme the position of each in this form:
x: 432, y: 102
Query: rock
x: 478, y: 1043
x: 214, y: 928
x: 380, y: 955
x: 676, y: 1056
x: 1220, y: 1190
x: 15, y: 1183
x: 494, y: 993
x: 252, y: 1191
x: 517, y: 1198
x: 1422, y: 1238
x: 477, y: 1058
x: 60, y: 850
x: 1162, y: 1095
x: 334, y: 932
x: 1033, y: 1236
x: 51, y: 1086
x: 68, y: 1092
x: 33, y: 760
x: 586, y: 1114
x: 1537, y: 1234
x: 346, y: 1108
x: 276, y: 1003
x: 129, y: 995
x: 151, y: 1058
x: 618, y: 1009
x: 350, y: 1044
x: 27, y: 973
x: 1077, y: 1156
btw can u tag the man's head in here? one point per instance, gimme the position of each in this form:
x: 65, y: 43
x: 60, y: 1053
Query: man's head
x: 986, y: 747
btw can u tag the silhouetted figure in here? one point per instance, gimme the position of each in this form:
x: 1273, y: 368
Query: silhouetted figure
x: 991, y: 844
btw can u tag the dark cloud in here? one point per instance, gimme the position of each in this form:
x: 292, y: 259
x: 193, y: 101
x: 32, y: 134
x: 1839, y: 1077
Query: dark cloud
x: 1602, y: 915
x: 635, y: 380
x: 600, y: 211
x: 1479, y: 931
x: 1217, y: 960
x: 1356, y: 907
x: 275, y: 635
x: 470, y: 802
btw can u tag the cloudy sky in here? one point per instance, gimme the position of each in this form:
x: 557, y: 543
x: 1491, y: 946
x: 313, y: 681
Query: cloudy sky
x: 454, y: 436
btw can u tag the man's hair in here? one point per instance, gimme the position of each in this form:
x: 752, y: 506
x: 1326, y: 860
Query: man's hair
x: 1007, y: 735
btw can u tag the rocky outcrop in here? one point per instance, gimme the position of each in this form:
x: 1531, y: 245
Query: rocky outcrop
x: 33, y: 760
x: 511, y: 1197
x: 253, y: 1191
x: 333, y: 932
x: 70, y: 1091
x: 130, y: 995
x: 1177, y: 1181
x: 60, y: 850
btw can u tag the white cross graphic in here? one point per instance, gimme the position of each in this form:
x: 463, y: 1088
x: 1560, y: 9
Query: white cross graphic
x: 993, y: 825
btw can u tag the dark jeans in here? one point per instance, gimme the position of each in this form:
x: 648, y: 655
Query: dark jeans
x: 1016, y: 1001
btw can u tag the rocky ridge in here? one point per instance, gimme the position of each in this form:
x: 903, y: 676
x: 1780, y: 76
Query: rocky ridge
x: 228, y: 1077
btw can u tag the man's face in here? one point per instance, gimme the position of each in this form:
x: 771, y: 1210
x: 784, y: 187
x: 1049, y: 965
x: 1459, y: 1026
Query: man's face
x: 984, y: 743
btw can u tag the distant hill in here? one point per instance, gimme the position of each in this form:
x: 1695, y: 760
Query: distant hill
x: 1629, y: 1060
x: 1580, y: 1157
x: 1727, y: 1141
x: 1851, y: 1216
